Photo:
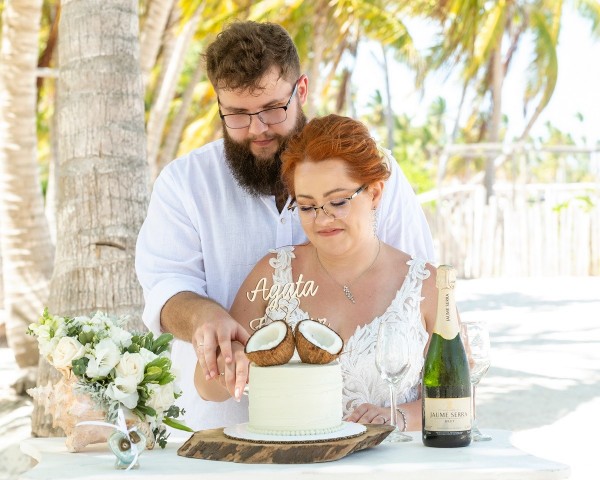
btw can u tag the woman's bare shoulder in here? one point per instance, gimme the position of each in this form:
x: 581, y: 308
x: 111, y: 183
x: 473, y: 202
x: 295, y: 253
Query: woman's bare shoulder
x: 264, y: 265
x: 303, y: 254
x: 397, y: 257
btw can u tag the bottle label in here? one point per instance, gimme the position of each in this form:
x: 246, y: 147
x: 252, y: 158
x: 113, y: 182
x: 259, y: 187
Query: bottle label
x: 446, y: 324
x: 447, y: 414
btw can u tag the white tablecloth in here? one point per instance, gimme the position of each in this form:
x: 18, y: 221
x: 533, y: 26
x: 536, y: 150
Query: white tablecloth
x: 497, y: 459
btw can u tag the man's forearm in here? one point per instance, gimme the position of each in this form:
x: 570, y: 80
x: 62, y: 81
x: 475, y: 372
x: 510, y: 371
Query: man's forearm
x: 184, y: 313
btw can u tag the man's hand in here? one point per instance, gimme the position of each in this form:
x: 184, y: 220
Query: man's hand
x: 212, y: 332
x: 221, y: 335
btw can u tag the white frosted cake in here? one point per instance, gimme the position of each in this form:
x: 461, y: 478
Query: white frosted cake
x: 295, y: 399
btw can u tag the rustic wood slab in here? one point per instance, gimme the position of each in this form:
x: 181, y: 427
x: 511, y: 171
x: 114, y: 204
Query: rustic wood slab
x: 214, y: 445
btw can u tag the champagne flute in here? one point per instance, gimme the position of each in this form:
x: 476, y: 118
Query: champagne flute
x: 477, y: 338
x: 393, y: 363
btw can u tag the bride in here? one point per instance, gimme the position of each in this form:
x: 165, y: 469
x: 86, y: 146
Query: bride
x: 336, y: 175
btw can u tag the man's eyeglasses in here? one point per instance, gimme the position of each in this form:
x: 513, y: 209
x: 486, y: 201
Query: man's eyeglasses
x: 337, y: 208
x: 268, y: 116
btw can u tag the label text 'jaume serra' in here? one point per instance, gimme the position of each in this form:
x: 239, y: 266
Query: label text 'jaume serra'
x: 451, y: 414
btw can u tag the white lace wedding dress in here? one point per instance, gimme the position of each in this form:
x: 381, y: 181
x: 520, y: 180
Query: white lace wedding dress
x: 362, y: 383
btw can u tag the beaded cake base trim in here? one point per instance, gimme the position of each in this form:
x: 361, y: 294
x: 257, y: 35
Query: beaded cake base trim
x: 299, y: 432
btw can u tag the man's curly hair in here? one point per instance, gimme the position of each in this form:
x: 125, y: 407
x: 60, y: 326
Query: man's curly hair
x: 244, y: 52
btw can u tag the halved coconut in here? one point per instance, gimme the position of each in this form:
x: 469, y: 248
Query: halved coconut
x: 317, y: 343
x: 271, y: 345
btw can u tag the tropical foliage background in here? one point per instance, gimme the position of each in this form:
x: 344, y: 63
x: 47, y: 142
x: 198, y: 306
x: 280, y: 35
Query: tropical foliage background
x: 96, y: 96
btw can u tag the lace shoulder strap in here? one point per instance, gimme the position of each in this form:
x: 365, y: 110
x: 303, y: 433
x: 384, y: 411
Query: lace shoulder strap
x: 282, y: 265
x: 409, y: 296
x: 417, y: 269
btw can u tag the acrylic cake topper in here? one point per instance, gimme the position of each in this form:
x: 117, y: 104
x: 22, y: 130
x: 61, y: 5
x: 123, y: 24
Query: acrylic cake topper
x: 283, y: 300
x: 275, y: 339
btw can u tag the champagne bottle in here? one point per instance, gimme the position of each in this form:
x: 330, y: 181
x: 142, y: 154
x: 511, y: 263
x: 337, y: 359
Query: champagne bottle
x: 446, y: 393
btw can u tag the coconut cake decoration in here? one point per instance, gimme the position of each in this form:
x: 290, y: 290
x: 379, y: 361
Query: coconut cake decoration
x: 274, y: 343
x: 317, y: 343
x: 271, y: 345
x: 275, y: 338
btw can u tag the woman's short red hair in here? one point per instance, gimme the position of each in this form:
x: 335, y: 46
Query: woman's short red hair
x: 334, y: 136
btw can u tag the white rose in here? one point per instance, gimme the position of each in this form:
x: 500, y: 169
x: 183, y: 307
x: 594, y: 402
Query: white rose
x: 147, y: 355
x: 105, y: 357
x: 161, y: 397
x: 131, y: 365
x: 124, y: 390
x: 67, y: 350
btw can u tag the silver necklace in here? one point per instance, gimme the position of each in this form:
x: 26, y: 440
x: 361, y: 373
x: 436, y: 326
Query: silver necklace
x: 346, y: 286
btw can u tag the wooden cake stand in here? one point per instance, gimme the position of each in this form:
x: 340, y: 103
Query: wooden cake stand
x: 215, y: 445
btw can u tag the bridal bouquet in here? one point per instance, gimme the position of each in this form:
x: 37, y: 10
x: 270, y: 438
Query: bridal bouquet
x: 114, y: 367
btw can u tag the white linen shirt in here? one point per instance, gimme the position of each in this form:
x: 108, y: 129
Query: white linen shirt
x: 204, y: 233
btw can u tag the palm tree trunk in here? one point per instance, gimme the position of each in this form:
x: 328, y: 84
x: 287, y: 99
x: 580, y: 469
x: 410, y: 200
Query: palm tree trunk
x: 169, y: 149
x: 496, y: 120
x: 456, y: 126
x: 25, y: 239
x: 160, y: 109
x: 152, y: 34
x: 51, y: 193
x: 103, y: 174
x: 318, y: 42
x: 169, y: 41
x: 389, y: 112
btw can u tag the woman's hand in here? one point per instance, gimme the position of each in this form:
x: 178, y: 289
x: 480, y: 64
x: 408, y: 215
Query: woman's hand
x: 231, y: 380
x: 369, y: 413
x: 234, y: 375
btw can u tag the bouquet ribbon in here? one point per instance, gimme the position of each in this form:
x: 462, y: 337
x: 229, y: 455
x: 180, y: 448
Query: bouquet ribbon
x: 121, y: 426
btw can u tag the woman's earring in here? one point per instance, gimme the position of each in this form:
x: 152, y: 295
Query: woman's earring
x: 374, y: 222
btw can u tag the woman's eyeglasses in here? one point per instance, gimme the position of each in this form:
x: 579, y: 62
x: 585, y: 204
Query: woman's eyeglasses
x: 337, y: 208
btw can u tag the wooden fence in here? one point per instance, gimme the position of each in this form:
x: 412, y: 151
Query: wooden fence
x: 525, y: 230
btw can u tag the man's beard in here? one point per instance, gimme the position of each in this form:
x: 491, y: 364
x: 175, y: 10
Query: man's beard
x: 258, y: 176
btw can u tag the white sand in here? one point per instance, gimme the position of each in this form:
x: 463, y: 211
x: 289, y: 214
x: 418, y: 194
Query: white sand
x: 544, y: 383
x: 15, y: 421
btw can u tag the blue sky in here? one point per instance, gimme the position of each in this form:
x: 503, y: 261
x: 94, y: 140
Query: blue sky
x: 577, y: 89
